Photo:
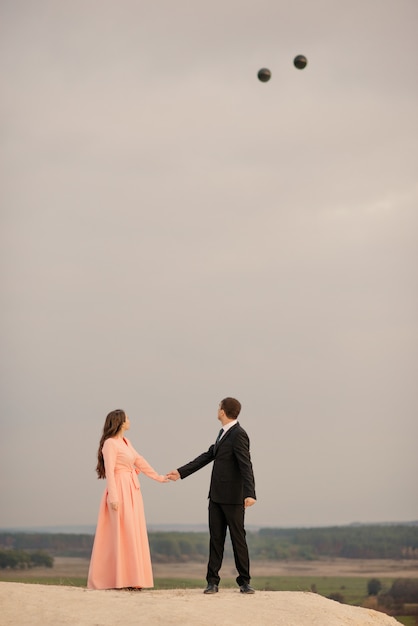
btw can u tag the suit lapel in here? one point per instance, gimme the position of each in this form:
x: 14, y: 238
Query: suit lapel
x: 225, y: 436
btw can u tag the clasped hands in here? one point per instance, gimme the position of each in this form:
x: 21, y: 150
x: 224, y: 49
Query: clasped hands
x: 173, y: 475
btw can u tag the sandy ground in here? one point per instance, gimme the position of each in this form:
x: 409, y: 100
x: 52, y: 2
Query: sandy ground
x: 42, y: 605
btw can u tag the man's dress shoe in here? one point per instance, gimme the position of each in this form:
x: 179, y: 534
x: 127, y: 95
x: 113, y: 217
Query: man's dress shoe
x: 211, y: 588
x: 245, y: 588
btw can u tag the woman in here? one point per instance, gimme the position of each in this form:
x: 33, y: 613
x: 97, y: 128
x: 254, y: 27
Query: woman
x: 121, y: 556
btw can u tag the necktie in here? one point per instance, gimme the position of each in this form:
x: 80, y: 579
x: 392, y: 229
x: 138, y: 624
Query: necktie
x: 219, y: 436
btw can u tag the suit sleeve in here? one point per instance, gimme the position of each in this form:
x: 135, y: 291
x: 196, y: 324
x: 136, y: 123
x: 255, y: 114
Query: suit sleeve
x: 243, y: 457
x: 197, y: 463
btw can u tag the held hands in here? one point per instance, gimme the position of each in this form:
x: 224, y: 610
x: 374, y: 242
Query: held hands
x: 249, y: 502
x: 173, y: 475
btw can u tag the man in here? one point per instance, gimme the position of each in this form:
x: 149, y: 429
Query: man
x: 231, y: 491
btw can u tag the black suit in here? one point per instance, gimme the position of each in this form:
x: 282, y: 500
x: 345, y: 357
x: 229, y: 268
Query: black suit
x: 231, y: 482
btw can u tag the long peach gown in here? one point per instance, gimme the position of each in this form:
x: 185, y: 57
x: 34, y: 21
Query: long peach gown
x: 121, y: 555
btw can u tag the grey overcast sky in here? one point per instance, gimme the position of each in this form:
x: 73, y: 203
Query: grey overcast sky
x: 174, y: 231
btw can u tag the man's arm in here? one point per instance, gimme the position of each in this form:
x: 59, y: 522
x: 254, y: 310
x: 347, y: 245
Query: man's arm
x: 242, y: 454
x: 193, y: 466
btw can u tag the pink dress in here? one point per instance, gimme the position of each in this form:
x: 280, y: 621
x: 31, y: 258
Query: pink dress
x: 121, y: 556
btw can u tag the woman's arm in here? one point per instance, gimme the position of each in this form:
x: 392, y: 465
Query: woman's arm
x: 144, y: 467
x: 109, y: 457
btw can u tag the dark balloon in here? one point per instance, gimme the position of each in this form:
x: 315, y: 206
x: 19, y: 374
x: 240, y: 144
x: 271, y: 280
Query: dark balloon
x: 300, y: 61
x: 264, y: 75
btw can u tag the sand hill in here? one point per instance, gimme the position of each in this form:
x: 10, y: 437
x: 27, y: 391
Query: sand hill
x: 43, y: 605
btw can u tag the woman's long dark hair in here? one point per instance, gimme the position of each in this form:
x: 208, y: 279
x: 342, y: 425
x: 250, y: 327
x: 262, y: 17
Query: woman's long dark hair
x: 111, y: 427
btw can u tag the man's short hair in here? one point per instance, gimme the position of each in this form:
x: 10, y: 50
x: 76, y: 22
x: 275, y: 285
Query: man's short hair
x: 231, y: 407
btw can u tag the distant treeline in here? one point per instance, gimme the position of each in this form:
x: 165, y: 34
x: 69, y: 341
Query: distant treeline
x: 19, y: 559
x: 352, y: 542
x: 58, y: 544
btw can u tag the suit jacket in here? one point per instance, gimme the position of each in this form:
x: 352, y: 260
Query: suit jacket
x: 232, y: 477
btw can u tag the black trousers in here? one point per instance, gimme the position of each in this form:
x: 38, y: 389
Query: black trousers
x: 221, y: 517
